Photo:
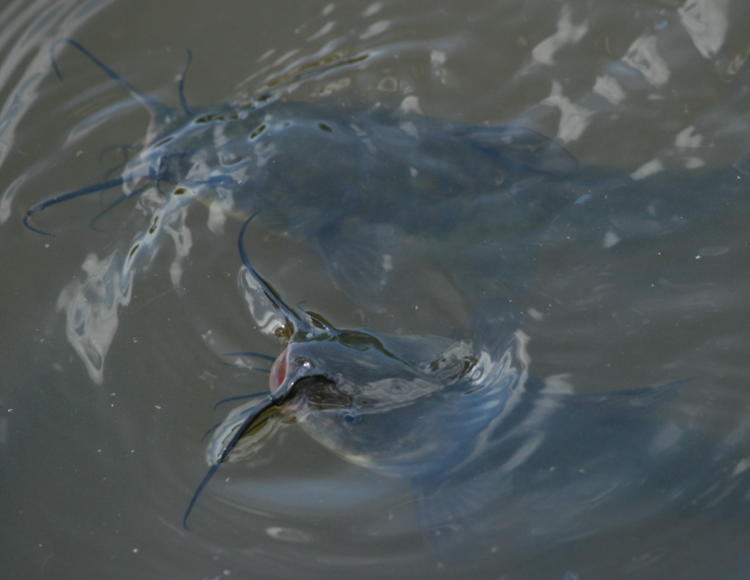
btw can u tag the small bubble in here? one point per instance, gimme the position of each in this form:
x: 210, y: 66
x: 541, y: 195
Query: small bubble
x: 388, y: 85
x: 373, y: 9
x: 535, y: 314
x: 610, y: 239
x: 713, y: 251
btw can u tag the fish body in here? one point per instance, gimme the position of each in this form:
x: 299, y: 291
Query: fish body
x: 389, y: 199
x: 380, y: 191
x: 365, y: 186
x: 494, y: 455
x: 487, y: 447
x: 377, y: 192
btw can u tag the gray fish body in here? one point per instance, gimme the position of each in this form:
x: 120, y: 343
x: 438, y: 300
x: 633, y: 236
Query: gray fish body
x: 368, y: 187
x: 376, y: 191
x: 490, y: 451
x: 496, y: 459
x: 459, y: 417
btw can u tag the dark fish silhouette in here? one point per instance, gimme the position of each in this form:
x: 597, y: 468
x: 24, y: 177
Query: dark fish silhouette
x: 491, y: 451
x: 361, y: 185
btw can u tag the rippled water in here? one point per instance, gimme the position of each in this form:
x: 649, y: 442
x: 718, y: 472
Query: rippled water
x: 537, y: 291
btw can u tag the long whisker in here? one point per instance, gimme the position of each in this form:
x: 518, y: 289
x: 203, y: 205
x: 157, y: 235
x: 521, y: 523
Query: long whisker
x: 44, y: 204
x: 181, y: 84
x: 271, y: 294
x: 256, y: 412
x: 155, y: 107
x: 211, y: 430
x: 124, y: 150
x: 120, y: 198
x: 237, y: 398
x: 225, y: 451
x: 244, y: 426
x: 252, y: 354
x: 196, y: 494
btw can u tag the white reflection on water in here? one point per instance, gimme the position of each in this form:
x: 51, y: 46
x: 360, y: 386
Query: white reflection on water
x: 36, y: 22
x: 567, y: 33
x: 91, y: 306
x: 643, y: 55
x: 706, y: 21
x: 649, y: 333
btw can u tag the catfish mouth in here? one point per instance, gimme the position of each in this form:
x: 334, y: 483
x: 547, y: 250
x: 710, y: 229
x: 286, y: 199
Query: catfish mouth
x: 321, y: 393
x: 291, y: 380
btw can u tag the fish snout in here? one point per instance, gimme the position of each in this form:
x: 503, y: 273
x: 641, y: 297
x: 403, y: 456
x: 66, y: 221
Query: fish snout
x: 289, y: 368
x: 294, y: 376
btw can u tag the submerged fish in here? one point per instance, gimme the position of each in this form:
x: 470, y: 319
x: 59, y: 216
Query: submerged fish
x: 364, y: 186
x: 487, y: 447
x: 371, y: 187
x: 493, y: 453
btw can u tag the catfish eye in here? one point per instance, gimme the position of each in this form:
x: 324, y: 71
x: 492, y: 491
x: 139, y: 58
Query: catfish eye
x: 303, y: 362
x: 351, y: 416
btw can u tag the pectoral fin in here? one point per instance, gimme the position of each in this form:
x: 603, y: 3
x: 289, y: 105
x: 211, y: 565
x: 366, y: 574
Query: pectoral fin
x: 519, y: 148
x: 360, y: 260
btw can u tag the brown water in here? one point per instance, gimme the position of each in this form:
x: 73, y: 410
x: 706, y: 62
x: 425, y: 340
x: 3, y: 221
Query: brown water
x: 108, y: 384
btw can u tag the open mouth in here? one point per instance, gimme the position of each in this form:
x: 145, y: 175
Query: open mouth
x: 320, y: 393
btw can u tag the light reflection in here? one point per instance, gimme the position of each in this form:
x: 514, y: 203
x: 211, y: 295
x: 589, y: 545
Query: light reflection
x: 643, y: 55
x: 706, y: 21
x: 567, y: 33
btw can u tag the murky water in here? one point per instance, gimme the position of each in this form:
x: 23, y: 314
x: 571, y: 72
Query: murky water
x: 483, y: 251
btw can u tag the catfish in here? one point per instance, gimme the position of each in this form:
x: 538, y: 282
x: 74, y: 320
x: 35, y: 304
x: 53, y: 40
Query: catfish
x: 489, y: 449
x: 495, y: 456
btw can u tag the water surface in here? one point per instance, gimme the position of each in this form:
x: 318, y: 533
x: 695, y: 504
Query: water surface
x: 110, y: 383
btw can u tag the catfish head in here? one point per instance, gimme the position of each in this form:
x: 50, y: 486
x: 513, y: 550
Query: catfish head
x: 373, y: 398
x: 401, y: 405
x: 190, y: 152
